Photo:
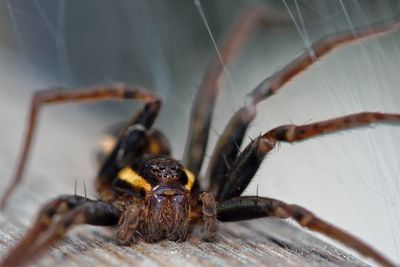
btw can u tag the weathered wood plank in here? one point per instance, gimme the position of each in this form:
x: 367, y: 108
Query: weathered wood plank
x: 265, y: 242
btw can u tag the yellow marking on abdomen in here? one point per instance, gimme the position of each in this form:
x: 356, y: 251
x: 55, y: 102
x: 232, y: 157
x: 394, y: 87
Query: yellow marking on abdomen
x: 134, y: 179
x: 190, y: 181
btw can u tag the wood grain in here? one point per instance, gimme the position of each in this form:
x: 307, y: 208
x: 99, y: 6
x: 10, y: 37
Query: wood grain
x: 265, y: 242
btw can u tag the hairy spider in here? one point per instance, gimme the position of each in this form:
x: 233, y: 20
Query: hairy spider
x: 146, y: 194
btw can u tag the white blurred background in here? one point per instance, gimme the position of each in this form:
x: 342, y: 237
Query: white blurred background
x: 351, y: 179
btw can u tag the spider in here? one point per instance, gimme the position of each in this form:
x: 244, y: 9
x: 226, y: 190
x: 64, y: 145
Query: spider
x: 145, y: 194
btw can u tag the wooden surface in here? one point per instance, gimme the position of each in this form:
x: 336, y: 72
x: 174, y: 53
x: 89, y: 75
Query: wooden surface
x: 63, y: 156
x: 265, y: 242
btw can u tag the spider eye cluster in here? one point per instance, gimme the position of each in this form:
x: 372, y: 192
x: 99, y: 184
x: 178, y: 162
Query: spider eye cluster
x: 164, y: 172
x: 157, y: 171
x: 167, y: 170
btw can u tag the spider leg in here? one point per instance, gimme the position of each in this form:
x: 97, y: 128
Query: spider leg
x: 55, y: 207
x: 135, y: 141
x: 245, y: 208
x: 43, y: 97
x: 203, y: 105
x: 248, y: 162
x: 228, y: 144
x: 156, y: 142
x: 209, y: 213
x: 128, y: 223
x: 47, y: 231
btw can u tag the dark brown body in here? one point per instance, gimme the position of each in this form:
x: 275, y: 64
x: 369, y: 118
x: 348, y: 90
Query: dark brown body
x: 167, y: 215
x: 155, y: 218
x: 159, y: 192
x: 159, y: 199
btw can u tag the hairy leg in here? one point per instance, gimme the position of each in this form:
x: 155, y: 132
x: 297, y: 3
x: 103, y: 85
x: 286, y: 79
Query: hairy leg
x: 157, y: 142
x: 127, y: 225
x: 53, y: 96
x: 245, y: 208
x: 248, y: 162
x: 231, y: 139
x: 53, y: 208
x: 209, y: 216
x: 203, y: 105
x: 48, y: 229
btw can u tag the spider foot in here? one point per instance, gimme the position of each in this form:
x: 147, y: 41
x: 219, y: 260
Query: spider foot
x: 125, y: 236
x: 125, y: 233
x: 210, y: 223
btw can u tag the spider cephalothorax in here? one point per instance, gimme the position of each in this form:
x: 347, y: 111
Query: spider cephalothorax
x: 143, y: 192
x: 165, y: 208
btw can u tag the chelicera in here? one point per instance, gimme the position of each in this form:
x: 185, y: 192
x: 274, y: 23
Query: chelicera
x: 145, y: 194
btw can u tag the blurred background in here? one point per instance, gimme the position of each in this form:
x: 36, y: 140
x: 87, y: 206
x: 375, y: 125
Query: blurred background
x: 350, y: 179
